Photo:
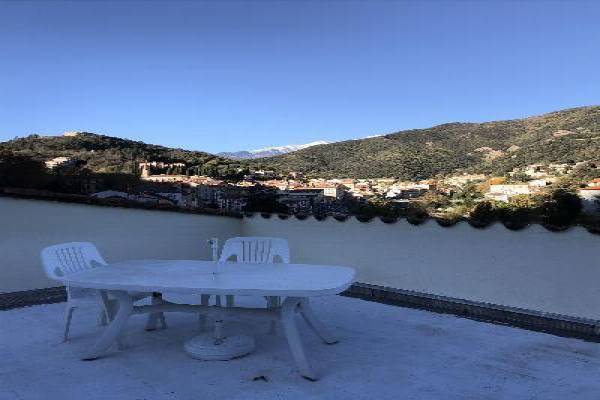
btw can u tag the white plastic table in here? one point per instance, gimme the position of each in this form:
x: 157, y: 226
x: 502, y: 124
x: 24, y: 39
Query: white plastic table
x: 296, y: 282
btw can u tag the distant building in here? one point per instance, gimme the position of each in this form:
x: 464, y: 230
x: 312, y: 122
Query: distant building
x: 166, y: 178
x: 296, y: 175
x: 277, y: 183
x: 160, y: 164
x: 535, y: 171
x: 318, y: 188
x: 245, y: 184
x: 506, y: 191
x: 594, y: 183
x: 538, y: 183
x: 497, y: 197
x: 225, y: 197
x: 349, y: 183
x: 407, y: 190
x: 55, y: 162
x: 145, y: 170
x: 334, y: 191
x: 560, y: 168
x: 464, y: 179
x: 590, y: 199
x: 261, y: 174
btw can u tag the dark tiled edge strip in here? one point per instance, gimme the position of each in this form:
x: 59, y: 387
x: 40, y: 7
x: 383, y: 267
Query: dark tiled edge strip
x: 32, y: 297
x: 556, y: 324
x: 446, y: 223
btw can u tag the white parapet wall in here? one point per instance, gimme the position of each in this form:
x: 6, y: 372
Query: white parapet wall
x: 26, y: 226
x: 533, y: 268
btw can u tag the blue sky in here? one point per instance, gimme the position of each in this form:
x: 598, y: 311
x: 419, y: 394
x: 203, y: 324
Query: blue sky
x: 220, y: 76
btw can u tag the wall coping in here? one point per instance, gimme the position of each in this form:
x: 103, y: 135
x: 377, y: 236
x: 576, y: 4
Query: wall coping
x: 445, y: 223
x: 42, y: 195
x: 555, y: 324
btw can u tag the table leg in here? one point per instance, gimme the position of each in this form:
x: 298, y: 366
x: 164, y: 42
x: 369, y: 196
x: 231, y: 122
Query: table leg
x: 153, y: 318
x: 316, y: 325
x: 288, y: 321
x: 111, y: 310
x: 113, y: 330
x: 204, y: 301
x: 273, y: 302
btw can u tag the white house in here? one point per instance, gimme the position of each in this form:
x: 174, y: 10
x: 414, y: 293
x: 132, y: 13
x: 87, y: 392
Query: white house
x: 505, y: 191
x: 590, y: 199
x: 55, y: 162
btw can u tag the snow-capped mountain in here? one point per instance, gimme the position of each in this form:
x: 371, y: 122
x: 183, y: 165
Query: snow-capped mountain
x: 270, y: 151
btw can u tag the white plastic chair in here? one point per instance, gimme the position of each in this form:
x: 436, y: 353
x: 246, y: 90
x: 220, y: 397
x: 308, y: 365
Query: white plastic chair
x: 271, y: 250
x: 264, y: 250
x: 256, y: 249
x: 67, y: 258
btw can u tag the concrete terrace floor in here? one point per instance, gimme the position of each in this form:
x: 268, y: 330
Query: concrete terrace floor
x: 385, y: 352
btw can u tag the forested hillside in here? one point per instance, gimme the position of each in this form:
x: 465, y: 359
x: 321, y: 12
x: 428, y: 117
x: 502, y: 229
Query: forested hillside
x: 495, y: 147
x: 492, y: 147
x: 111, y: 154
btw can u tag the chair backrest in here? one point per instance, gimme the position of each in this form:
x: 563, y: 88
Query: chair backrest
x: 65, y: 258
x: 256, y: 250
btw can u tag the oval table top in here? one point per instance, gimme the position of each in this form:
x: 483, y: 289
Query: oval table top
x: 218, y: 278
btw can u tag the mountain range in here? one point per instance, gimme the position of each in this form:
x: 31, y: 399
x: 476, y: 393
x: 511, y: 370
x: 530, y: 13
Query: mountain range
x: 269, y: 151
x: 496, y: 147
x: 566, y: 136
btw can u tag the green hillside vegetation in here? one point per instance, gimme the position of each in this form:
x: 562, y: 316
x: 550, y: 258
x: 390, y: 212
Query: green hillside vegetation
x: 106, y: 154
x: 492, y: 147
x: 566, y: 136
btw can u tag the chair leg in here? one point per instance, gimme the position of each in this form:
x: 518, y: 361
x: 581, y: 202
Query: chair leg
x: 68, y: 317
x: 106, y: 310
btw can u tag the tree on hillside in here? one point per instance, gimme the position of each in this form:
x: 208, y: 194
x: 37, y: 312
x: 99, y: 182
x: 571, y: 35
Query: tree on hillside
x: 264, y: 199
x: 562, y: 208
x: 432, y: 201
x: 22, y: 171
x: 468, y: 195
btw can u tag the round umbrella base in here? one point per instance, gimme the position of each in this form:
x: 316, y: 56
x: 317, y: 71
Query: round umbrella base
x: 206, y: 347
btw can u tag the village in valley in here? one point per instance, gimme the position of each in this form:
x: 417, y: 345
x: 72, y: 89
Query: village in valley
x: 266, y: 191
